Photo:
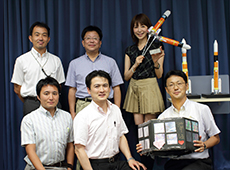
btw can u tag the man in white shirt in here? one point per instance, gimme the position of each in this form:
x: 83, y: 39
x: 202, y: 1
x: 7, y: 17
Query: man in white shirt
x: 47, y: 132
x: 99, y: 129
x: 34, y: 65
x: 176, y: 86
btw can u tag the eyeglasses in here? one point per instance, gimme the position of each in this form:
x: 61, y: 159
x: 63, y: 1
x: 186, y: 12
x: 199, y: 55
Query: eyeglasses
x: 178, y: 84
x: 91, y: 38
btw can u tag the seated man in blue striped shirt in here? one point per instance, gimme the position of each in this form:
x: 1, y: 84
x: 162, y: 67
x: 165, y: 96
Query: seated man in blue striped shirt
x: 47, y: 132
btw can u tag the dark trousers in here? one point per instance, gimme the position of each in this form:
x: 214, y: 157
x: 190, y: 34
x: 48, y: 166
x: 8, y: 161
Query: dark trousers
x: 117, y: 165
x: 189, y: 164
x: 30, y: 104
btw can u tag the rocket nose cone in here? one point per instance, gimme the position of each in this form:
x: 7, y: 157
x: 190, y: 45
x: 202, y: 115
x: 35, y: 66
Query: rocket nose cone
x: 167, y: 13
x: 215, y: 46
x: 183, y: 41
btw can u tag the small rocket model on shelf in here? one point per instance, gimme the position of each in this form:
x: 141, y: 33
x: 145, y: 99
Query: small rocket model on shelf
x: 216, y: 81
x: 185, y: 66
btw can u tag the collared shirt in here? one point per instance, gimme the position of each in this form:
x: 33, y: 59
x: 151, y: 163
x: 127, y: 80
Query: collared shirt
x: 49, y: 134
x: 80, y: 67
x: 99, y: 132
x: 28, y: 71
x: 201, y: 113
x: 146, y: 68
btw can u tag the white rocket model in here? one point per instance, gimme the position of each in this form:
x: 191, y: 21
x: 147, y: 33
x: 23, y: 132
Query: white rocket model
x: 216, y: 81
x: 185, y: 66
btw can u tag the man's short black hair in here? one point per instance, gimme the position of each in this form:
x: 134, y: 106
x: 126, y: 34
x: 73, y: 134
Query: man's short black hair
x: 176, y: 73
x: 91, y: 28
x: 39, y: 24
x: 47, y: 81
x: 97, y: 73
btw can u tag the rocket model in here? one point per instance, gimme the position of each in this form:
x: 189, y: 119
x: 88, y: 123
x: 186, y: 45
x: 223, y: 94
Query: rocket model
x: 216, y: 69
x: 184, y: 59
x: 147, y: 48
x: 173, y: 42
x: 185, y: 66
x: 152, y: 30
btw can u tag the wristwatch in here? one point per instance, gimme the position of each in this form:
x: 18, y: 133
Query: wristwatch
x: 204, y: 146
x: 157, y: 66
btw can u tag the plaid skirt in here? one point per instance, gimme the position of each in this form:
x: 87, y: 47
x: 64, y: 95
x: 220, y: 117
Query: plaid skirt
x: 144, y: 96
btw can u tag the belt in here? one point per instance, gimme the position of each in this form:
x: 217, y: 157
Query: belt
x: 106, y: 160
x: 31, y: 98
x: 85, y: 99
x: 60, y: 164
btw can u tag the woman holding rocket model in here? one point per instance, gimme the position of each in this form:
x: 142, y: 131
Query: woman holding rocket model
x: 143, y: 97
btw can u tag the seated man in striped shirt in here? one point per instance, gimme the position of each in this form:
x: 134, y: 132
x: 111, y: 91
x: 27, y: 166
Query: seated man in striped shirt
x: 47, y: 132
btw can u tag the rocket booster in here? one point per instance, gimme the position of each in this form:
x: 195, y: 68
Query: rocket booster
x: 173, y: 42
x: 153, y: 30
x: 184, y: 59
x: 216, y: 67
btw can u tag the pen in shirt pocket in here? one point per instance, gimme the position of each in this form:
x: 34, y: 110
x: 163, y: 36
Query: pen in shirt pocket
x: 114, y: 123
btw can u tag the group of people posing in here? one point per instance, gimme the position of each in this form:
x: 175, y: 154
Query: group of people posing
x: 94, y: 129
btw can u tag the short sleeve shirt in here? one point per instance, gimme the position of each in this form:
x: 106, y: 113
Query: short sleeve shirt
x: 49, y: 134
x: 80, y: 67
x: 27, y: 70
x: 99, y: 132
x: 146, y: 68
x: 201, y: 113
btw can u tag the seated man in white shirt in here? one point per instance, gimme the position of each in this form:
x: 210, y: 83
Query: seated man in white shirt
x: 99, y: 130
x: 47, y: 132
x: 176, y: 86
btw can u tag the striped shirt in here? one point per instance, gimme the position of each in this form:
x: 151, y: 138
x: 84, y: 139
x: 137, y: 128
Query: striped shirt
x: 49, y: 134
